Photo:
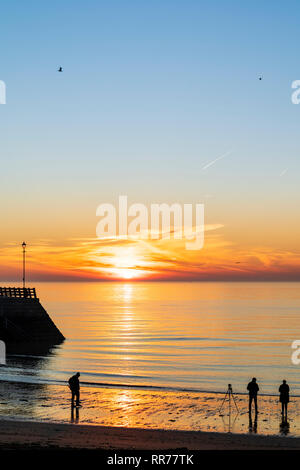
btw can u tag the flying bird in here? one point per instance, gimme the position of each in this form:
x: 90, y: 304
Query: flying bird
x: 60, y: 69
x: 260, y: 78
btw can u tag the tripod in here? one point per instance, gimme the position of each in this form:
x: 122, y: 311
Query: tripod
x: 230, y: 396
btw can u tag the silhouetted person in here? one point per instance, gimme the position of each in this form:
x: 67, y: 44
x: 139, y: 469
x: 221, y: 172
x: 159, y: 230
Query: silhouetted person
x: 253, y: 388
x: 75, y: 388
x: 284, y: 398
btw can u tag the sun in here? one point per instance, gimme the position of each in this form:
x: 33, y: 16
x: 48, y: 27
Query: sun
x: 126, y: 264
x: 127, y: 274
x: 124, y: 273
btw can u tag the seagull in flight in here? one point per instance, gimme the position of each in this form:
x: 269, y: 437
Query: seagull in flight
x: 60, y: 69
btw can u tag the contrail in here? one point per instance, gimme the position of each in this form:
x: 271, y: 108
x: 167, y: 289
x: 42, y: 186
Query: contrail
x: 283, y: 172
x: 214, y: 161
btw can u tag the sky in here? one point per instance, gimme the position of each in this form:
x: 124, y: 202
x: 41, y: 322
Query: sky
x: 151, y: 94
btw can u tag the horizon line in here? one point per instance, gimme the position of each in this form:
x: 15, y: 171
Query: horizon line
x: 127, y: 281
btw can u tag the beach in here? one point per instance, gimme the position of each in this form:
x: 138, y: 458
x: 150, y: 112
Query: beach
x: 18, y: 435
x: 135, y: 408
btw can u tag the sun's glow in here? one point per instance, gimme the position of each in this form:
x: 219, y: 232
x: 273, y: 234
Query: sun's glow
x: 126, y: 263
x: 129, y: 261
x: 124, y: 273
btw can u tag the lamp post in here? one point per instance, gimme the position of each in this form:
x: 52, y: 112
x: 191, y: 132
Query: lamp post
x: 24, y: 254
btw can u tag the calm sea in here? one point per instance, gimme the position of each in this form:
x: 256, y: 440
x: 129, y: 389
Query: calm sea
x: 197, y: 336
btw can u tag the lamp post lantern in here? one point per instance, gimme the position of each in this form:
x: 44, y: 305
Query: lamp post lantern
x: 24, y: 254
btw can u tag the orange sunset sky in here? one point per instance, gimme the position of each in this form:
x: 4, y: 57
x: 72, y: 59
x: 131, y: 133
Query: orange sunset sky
x: 222, y: 258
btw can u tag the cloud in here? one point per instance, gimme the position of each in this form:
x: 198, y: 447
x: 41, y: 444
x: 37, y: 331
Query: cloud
x: 94, y: 259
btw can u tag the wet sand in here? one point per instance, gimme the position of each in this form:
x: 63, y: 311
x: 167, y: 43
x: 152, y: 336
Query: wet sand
x: 33, y: 435
x: 39, y: 417
x: 146, y: 409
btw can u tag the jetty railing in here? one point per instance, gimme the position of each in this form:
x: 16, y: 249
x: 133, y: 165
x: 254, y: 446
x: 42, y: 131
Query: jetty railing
x: 18, y: 292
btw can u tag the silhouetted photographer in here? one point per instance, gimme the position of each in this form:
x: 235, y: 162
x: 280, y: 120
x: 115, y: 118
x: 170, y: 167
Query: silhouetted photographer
x: 75, y: 388
x: 284, y: 398
x: 253, y: 389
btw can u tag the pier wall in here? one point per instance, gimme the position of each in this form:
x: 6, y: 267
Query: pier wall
x: 24, y: 320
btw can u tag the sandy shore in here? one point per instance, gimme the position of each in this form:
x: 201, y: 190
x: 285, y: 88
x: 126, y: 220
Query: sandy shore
x: 145, y: 409
x: 22, y: 435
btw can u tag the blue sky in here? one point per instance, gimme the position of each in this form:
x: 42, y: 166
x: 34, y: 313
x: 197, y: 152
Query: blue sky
x: 151, y: 92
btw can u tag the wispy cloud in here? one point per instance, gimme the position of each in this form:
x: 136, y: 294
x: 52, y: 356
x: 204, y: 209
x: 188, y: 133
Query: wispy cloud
x: 94, y: 259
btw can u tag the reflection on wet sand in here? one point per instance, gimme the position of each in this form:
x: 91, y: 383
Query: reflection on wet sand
x: 284, y: 427
x: 229, y: 421
x: 20, y: 400
x: 74, y: 414
x: 140, y: 408
x: 253, y: 425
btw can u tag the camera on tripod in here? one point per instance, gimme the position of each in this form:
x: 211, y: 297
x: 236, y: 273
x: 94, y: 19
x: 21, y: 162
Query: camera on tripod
x: 229, y: 395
